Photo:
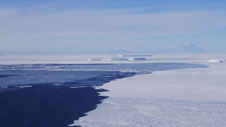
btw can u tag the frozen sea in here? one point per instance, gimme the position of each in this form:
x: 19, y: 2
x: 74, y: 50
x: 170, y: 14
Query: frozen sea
x: 165, y: 90
x: 191, y: 97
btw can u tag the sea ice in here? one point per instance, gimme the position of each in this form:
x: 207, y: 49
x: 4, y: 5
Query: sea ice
x: 174, y: 98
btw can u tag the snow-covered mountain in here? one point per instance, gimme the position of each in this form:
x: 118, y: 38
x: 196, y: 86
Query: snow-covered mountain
x: 187, y: 48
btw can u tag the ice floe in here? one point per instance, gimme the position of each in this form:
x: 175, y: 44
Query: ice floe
x: 174, y: 98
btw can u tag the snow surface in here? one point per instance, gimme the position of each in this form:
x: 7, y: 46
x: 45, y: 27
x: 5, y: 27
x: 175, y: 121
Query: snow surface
x: 175, y: 98
x: 83, y: 59
x: 59, y: 59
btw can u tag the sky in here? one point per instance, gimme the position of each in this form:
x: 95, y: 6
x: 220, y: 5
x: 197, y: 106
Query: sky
x: 101, y: 26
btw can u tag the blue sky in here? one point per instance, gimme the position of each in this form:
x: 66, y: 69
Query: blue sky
x: 98, y: 26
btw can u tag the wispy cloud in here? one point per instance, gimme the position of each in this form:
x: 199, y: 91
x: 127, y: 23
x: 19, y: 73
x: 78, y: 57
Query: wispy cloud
x: 95, y: 27
x: 110, y: 23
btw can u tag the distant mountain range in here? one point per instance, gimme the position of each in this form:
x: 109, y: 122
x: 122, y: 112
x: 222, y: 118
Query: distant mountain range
x: 186, y: 48
x: 118, y: 51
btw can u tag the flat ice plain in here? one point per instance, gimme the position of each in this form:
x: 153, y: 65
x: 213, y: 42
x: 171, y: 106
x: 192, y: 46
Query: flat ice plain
x: 174, y: 98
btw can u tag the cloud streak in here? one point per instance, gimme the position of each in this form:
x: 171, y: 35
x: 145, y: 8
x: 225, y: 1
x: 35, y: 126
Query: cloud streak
x: 101, y: 26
